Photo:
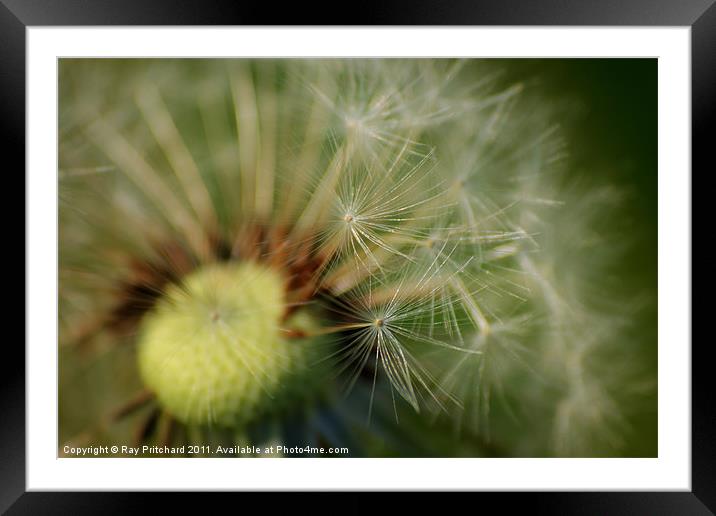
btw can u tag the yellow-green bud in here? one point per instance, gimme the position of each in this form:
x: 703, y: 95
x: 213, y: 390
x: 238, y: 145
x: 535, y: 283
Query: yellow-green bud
x: 214, y: 350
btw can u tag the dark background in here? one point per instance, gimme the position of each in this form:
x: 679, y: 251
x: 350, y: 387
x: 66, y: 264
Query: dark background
x: 617, y: 132
x: 613, y: 132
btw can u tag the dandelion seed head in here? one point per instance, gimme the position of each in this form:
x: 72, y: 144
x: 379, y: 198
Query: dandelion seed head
x: 407, y: 215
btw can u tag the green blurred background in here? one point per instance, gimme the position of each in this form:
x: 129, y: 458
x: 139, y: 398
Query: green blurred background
x: 610, y: 122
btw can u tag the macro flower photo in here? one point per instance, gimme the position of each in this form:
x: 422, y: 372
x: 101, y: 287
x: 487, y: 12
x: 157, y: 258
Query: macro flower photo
x: 357, y: 258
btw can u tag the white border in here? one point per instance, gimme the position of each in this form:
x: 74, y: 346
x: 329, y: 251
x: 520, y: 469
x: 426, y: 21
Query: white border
x: 670, y: 471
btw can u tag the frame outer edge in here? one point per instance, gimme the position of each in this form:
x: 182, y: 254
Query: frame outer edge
x: 12, y: 135
x: 12, y: 122
x: 703, y: 113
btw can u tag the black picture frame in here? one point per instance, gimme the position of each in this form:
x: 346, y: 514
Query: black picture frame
x: 700, y: 15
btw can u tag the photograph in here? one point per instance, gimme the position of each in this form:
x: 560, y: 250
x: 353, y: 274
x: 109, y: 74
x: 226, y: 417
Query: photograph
x: 357, y: 257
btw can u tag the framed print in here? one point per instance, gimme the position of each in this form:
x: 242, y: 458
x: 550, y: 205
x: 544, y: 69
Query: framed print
x: 452, y: 256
